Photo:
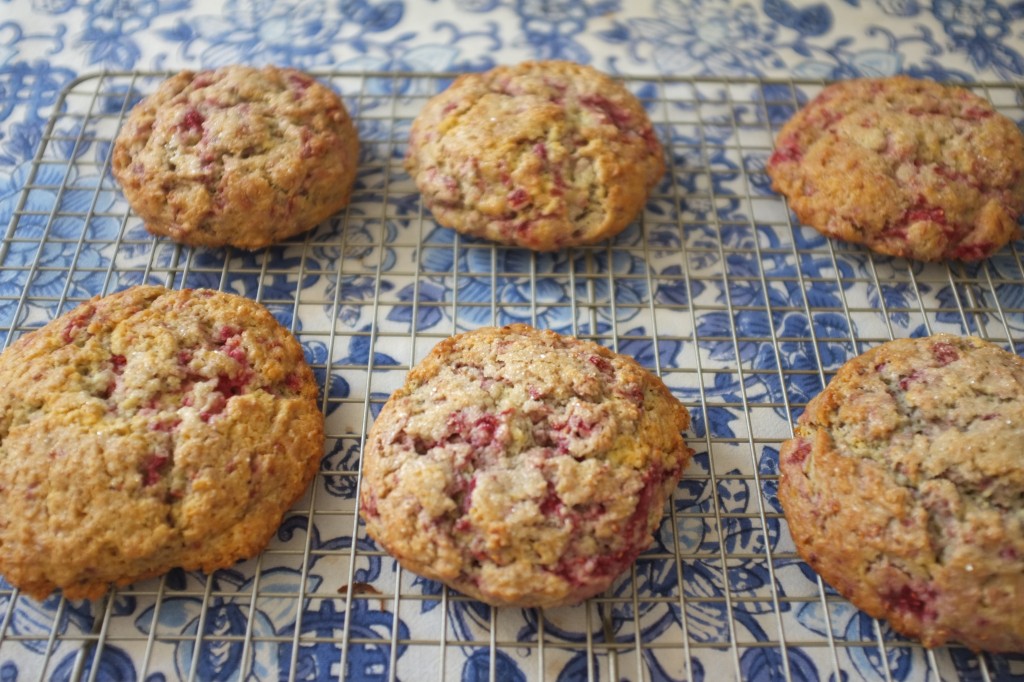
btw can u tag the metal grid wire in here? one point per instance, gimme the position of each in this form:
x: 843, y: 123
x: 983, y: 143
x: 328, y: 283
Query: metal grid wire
x: 743, y: 313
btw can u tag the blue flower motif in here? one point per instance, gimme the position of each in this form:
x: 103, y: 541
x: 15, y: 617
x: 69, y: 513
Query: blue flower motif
x: 33, y: 88
x: 451, y: 42
x: 225, y: 617
x: 331, y: 383
x: 288, y: 33
x: 264, y: 32
x: 549, y: 27
x: 319, y: 659
x: 980, y: 28
x: 846, y: 622
x: 114, y: 664
x: 765, y: 663
x: 899, y: 8
x: 53, y: 6
x: 477, y: 667
x: 707, y: 37
x: 112, y: 27
x: 31, y: 617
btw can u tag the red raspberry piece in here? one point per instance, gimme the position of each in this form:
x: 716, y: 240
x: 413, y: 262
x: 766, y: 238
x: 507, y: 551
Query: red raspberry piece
x: 800, y: 453
x: 192, y: 121
x: 236, y: 353
x: 79, y: 320
x: 975, y: 113
x: 228, y: 332
x: 166, y: 426
x: 619, y: 116
x: 944, y: 353
x: 300, y: 82
x: 917, y: 603
x: 635, y: 393
x: 909, y: 379
x: 369, y: 506
x: 518, y: 197
x: 483, y: 430
x: 786, y: 150
x: 602, y: 364
x: 151, y: 466
x: 973, y: 251
x: 920, y: 213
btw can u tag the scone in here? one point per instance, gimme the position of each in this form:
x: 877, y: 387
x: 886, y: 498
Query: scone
x: 905, y: 167
x: 904, y: 489
x: 542, y: 155
x: 237, y: 156
x: 522, y: 467
x: 147, y: 430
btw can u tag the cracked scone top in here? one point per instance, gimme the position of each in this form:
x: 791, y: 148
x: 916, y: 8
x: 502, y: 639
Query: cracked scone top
x: 542, y: 155
x: 148, y: 430
x: 905, y: 167
x: 522, y: 467
x: 904, y: 488
x: 237, y: 156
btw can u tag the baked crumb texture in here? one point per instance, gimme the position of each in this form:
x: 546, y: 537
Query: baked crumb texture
x: 522, y: 467
x: 237, y: 156
x: 904, y: 488
x: 147, y: 430
x: 542, y: 155
x: 906, y: 167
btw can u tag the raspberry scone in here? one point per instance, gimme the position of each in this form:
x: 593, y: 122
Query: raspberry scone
x: 147, y: 430
x: 906, y: 167
x: 522, y: 467
x: 542, y: 155
x: 904, y: 488
x: 237, y: 156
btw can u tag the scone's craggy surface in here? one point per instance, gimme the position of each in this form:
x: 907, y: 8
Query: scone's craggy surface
x: 147, y: 430
x: 904, y: 489
x: 522, y: 467
x: 237, y: 156
x: 542, y: 155
x: 906, y: 167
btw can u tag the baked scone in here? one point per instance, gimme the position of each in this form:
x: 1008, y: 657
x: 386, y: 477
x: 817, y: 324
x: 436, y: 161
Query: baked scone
x: 905, y: 167
x: 904, y: 489
x: 147, y: 430
x: 542, y: 155
x: 237, y: 156
x: 522, y: 467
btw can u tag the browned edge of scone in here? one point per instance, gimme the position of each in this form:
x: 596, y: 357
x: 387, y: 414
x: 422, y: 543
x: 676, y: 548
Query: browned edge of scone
x: 923, y: 556
x: 533, y: 582
x: 237, y: 156
x: 906, y: 167
x: 543, y: 155
x: 196, y: 470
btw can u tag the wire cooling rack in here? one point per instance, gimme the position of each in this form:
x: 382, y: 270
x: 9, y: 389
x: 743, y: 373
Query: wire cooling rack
x: 743, y: 313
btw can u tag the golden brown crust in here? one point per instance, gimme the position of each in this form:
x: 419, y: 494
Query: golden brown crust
x: 147, y: 430
x: 522, y: 467
x: 542, y: 155
x: 237, y: 156
x: 906, y: 167
x: 904, y: 488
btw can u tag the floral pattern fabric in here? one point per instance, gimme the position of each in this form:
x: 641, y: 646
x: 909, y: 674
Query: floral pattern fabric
x: 744, y: 314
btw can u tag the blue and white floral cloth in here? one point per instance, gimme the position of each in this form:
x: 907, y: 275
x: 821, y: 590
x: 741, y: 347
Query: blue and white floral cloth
x: 45, y: 45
